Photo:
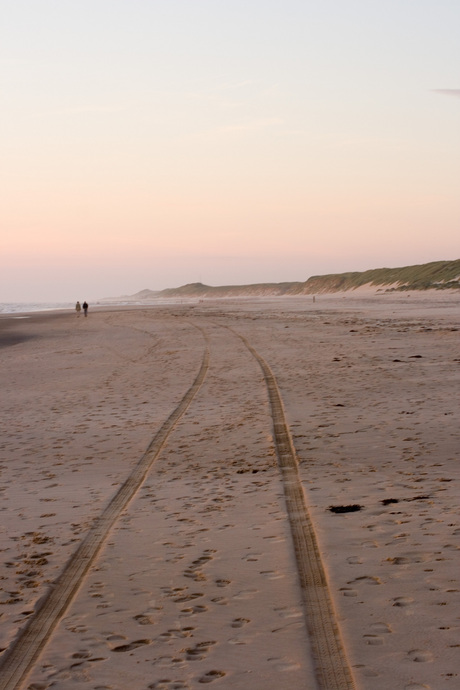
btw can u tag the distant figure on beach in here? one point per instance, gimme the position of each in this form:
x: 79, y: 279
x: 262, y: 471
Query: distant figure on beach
x: 85, y: 308
x: 78, y: 308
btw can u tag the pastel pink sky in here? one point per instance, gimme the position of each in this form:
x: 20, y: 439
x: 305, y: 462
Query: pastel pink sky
x: 147, y: 145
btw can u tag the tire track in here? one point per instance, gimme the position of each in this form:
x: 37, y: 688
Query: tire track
x: 18, y: 660
x: 332, y: 668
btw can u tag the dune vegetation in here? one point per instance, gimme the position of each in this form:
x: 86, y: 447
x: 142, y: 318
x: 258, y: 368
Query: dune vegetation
x: 436, y: 275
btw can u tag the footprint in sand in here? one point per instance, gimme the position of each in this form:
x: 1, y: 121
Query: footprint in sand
x: 245, y: 594
x: 195, y: 575
x: 252, y: 557
x: 167, y: 684
x: 283, y: 664
x: 420, y: 655
x: 199, y: 651
x: 275, y: 539
x: 211, y: 676
x: 221, y: 601
x: 92, y: 659
x: 370, y: 544
x: 192, y: 610
x: 239, y: 641
x: 272, y: 574
x: 193, y: 571
x: 373, y: 639
x: 81, y: 655
x: 132, y: 645
x: 79, y: 629
x: 289, y: 612
x: 143, y: 619
x: 240, y: 622
x: 172, y: 592
x: 177, y: 633
x: 381, y: 628
x: 188, y: 597
x: 403, y: 601
x: 366, y: 579
x: 166, y: 661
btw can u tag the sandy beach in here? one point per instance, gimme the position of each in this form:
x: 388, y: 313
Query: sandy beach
x: 256, y: 493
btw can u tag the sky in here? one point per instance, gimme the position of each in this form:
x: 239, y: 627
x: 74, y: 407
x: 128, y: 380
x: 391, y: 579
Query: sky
x: 154, y: 143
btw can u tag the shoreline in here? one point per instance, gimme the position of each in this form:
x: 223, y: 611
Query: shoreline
x: 363, y: 292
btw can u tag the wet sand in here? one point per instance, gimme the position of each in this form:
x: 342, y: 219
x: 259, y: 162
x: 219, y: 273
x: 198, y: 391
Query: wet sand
x: 197, y: 580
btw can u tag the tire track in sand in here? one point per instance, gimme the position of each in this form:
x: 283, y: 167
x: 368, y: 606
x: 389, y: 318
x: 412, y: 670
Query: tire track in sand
x: 19, y: 659
x: 332, y: 668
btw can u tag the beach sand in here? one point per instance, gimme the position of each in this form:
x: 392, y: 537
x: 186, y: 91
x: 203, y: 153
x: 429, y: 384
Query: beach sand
x: 147, y: 437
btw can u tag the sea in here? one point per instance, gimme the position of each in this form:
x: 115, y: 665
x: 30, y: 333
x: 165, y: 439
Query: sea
x: 24, y: 307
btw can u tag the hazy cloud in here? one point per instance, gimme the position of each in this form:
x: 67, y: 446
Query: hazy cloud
x: 448, y: 92
x: 79, y: 110
x: 252, y: 125
x: 236, y: 85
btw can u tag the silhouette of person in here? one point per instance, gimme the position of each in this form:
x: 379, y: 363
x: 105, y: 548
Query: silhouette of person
x: 85, y: 308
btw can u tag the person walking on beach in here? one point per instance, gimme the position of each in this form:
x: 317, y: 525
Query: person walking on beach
x: 85, y: 308
x: 78, y: 308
